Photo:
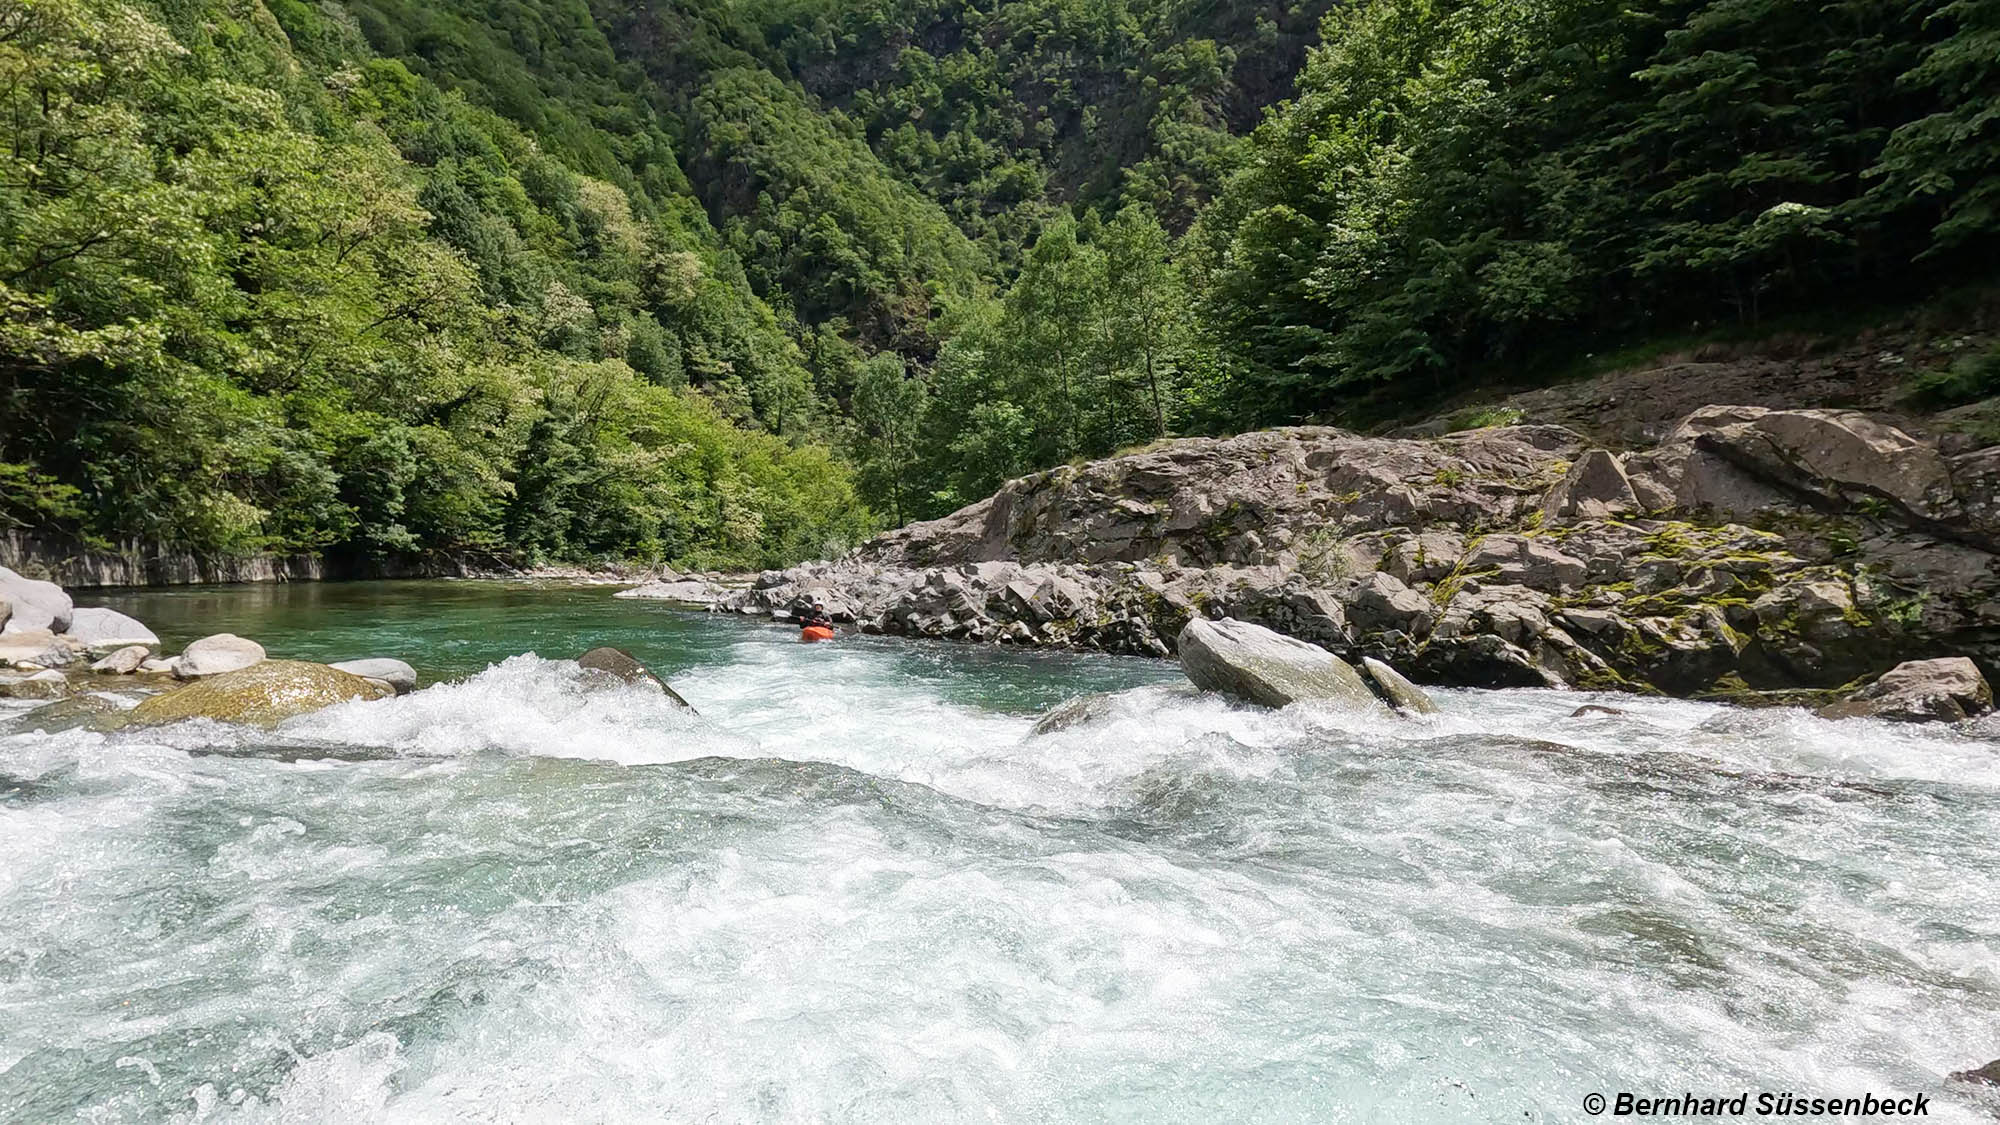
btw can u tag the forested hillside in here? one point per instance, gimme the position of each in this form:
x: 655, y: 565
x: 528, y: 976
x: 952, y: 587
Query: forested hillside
x: 736, y: 283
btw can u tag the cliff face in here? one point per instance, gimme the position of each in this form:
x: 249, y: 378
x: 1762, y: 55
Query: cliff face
x: 1751, y: 549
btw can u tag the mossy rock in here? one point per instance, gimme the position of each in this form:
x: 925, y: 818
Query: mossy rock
x: 260, y: 695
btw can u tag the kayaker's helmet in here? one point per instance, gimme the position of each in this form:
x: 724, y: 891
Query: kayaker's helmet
x: 819, y: 605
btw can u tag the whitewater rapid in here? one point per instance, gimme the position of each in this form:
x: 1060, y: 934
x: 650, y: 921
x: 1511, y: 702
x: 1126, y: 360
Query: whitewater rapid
x: 853, y: 892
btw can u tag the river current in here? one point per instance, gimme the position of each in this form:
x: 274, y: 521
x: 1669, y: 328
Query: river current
x: 858, y: 887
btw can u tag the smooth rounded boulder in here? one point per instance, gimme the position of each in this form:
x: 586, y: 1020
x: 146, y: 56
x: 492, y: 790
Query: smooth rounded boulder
x: 395, y: 673
x: 262, y: 694
x: 212, y: 656
x: 106, y: 630
x: 1253, y: 663
x: 35, y: 604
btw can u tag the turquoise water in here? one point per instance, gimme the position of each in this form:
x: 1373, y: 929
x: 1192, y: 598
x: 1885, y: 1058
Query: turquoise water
x: 859, y: 888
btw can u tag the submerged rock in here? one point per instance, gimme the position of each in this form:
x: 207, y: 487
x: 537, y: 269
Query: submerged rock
x: 1253, y: 663
x: 49, y: 684
x: 626, y: 668
x: 34, y: 604
x: 1403, y: 695
x: 260, y: 695
x: 86, y: 710
x: 396, y: 674
x: 1950, y: 690
x: 214, y: 655
x: 124, y: 662
x: 102, y: 630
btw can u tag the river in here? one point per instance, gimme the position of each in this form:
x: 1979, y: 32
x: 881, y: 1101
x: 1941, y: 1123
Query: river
x: 858, y: 888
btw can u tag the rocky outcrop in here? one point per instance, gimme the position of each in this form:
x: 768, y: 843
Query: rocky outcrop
x: 214, y: 655
x: 686, y: 589
x: 1255, y: 664
x: 262, y: 694
x: 1750, y: 550
x: 1918, y: 691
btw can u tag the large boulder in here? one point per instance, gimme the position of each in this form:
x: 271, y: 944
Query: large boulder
x: 214, y: 655
x: 105, y: 630
x: 608, y: 663
x: 35, y: 604
x: 1253, y: 663
x: 395, y: 673
x: 261, y: 694
x: 1948, y: 690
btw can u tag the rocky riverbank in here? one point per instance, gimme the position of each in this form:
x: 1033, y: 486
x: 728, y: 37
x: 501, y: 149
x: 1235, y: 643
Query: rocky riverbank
x: 1752, y: 553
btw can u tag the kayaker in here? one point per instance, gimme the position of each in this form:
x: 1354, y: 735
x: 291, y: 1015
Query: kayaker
x: 815, y: 618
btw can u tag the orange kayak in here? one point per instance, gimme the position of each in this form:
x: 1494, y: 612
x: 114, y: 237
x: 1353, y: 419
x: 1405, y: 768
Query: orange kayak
x: 812, y: 633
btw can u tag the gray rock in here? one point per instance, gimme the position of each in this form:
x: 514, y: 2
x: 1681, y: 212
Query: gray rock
x: 622, y: 666
x: 124, y: 662
x: 1595, y: 487
x: 214, y: 655
x: 35, y: 604
x: 48, y: 684
x: 6, y: 613
x: 1988, y: 1075
x: 1253, y: 663
x: 156, y: 666
x: 103, y: 630
x: 1589, y: 709
x: 392, y: 672
x: 1949, y: 689
x: 1401, y: 694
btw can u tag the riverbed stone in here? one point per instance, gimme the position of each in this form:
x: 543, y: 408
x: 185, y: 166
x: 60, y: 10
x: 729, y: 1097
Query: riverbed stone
x: 622, y: 666
x: 1256, y: 664
x: 260, y: 694
x: 123, y: 662
x: 34, y: 604
x: 1400, y: 693
x: 46, y: 684
x: 214, y: 655
x: 86, y: 709
x: 1950, y: 689
x: 392, y: 672
x: 103, y: 630
x: 38, y: 647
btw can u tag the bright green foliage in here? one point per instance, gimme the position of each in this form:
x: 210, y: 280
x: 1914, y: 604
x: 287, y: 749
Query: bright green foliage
x: 1091, y: 350
x: 1466, y: 185
x: 253, y: 307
